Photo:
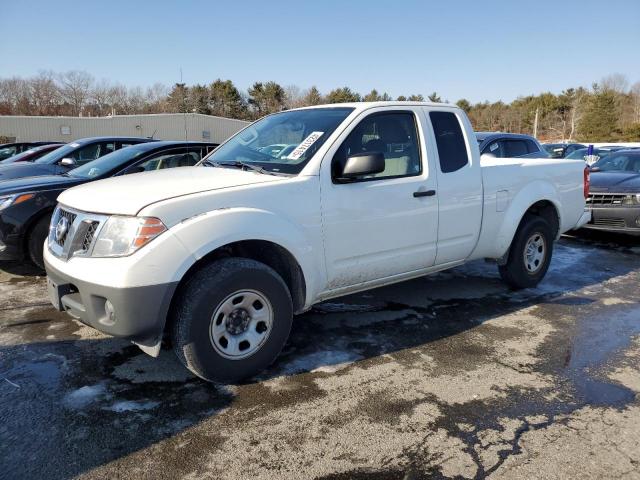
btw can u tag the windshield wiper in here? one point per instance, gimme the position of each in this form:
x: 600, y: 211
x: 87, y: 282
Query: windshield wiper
x: 243, y: 166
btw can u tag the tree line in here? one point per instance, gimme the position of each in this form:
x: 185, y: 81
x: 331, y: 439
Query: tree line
x: 607, y: 111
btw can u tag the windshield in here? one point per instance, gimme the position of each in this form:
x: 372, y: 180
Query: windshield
x: 582, y: 152
x: 283, y: 142
x: 108, y: 163
x: 57, y: 154
x: 619, y: 162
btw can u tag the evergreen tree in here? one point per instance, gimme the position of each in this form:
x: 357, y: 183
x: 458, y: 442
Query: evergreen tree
x: 600, y: 117
x: 342, y: 95
x: 226, y: 100
x: 312, y: 97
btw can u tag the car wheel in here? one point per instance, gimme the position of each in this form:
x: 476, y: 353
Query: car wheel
x: 231, y: 319
x: 529, y: 255
x: 36, y: 239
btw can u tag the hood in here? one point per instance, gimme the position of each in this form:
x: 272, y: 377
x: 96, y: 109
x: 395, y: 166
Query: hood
x: 37, y: 184
x: 127, y: 195
x: 615, y: 182
x: 20, y: 170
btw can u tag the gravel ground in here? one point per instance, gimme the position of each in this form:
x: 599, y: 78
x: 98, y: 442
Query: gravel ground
x: 448, y: 376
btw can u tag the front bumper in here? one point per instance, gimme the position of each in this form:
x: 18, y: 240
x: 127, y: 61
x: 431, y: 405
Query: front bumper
x: 621, y: 219
x: 139, y: 313
x: 10, y: 245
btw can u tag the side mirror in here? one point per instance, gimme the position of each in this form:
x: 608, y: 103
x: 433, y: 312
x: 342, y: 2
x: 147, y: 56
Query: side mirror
x: 68, y: 162
x: 362, y: 164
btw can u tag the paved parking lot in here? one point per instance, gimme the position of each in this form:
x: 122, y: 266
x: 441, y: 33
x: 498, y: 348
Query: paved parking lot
x: 446, y: 376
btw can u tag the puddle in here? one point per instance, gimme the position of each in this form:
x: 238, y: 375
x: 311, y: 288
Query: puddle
x: 596, y: 342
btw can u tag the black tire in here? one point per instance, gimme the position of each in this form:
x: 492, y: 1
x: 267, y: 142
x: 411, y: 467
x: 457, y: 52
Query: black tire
x: 515, y: 272
x: 206, y: 291
x: 36, y: 239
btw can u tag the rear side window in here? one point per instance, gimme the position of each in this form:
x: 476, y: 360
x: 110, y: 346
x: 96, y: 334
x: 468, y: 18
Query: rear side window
x: 515, y: 148
x: 452, y: 149
x: 533, y: 148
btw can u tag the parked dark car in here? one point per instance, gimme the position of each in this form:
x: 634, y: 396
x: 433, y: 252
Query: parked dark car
x: 68, y: 157
x: 614, y: 194
x: 600, y: 152
x: 10, y: 149
x: 26, y: 203
x: 504, y: 145
x: 32, y: 154
x: 562, y: 150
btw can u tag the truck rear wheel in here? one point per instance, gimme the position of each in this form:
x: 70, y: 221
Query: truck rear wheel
x: 231, y: 320
x: 529, y: 255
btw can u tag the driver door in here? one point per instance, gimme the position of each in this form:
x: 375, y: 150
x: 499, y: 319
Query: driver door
x: 385, y: 224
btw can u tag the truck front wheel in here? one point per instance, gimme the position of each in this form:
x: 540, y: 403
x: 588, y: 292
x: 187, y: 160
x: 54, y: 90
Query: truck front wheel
x: 231, y: 319
x: 529, y: 255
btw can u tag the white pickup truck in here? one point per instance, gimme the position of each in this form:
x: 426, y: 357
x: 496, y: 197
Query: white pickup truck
x: 299, y: 207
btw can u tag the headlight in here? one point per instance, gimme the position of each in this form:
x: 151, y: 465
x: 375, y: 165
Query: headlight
x: 121, y: 236
x: 8, y: 200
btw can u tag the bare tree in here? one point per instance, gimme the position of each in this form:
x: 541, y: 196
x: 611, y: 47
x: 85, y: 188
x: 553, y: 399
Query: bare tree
x: 75, y: 88
x: 616, y: 82
x: 44, y: 93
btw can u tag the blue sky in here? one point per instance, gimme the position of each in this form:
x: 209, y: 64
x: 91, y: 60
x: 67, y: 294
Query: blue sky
x: 486, y: 50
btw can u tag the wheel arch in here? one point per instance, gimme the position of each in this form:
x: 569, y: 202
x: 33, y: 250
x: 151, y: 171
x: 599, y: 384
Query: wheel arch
x: 539, y: 198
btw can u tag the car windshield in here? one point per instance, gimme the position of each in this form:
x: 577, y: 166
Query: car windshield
x: 282, y: 143
x: 108, y: 163
x: 619, y: 162
x: 582, y: 152
x: 20, y: 156
x: 58, y: 154
x: 7, y: 152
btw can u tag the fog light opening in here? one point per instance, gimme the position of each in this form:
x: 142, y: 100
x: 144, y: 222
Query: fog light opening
x: 110, y: 311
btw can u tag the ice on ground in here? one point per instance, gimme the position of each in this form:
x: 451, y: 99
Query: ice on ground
x: 83, y: 396
x: 321, y: 361
x: 129, y: 406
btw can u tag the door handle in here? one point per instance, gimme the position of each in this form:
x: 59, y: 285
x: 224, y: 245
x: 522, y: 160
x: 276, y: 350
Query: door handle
x: 424, y: 193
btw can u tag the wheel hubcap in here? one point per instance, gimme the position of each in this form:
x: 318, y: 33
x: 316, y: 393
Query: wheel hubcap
x: 241, y: 324
x: 535, y: 251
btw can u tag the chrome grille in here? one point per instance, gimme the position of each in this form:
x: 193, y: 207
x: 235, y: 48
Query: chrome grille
x: 79, y: 237
x: 88, y: 237
x: 70, y: 216
x: 605, y: 198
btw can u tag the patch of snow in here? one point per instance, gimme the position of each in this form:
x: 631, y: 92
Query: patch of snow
x: 83, y: 396
x: 321, y: 361
x: 130, y: 406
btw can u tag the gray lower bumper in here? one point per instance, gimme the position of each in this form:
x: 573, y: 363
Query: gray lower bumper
x: 616, y: 219
x: 139, y: 313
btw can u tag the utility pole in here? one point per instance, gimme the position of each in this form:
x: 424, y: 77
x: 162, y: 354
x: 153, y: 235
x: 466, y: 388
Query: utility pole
x: 535, y: 123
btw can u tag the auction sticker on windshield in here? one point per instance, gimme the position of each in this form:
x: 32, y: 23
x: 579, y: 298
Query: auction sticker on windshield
x: 304, y: 146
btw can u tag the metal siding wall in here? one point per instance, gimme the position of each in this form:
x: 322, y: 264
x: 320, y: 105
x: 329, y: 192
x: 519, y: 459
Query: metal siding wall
x: 165, y: 126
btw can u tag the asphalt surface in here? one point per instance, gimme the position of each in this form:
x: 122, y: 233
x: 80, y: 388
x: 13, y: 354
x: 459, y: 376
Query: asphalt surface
x: 448, y: 376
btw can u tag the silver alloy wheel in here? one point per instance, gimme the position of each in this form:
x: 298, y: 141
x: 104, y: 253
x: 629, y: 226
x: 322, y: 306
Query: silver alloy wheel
x: 241, y: 324
x: 535, y: 251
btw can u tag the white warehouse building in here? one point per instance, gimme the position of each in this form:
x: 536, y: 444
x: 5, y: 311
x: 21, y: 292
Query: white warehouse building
x: 163, y: 126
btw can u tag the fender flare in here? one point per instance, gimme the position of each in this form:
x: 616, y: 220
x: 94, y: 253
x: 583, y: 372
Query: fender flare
x: 537, y: 191
x: 244, y: 224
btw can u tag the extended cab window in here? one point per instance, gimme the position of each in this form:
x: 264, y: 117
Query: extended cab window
x: 392, y: 134
x: 452, y: 149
